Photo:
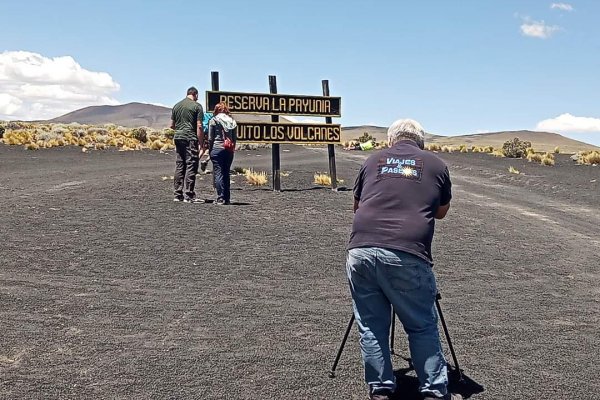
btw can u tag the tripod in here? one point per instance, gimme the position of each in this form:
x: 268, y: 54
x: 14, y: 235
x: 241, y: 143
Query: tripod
x: 439, y: 311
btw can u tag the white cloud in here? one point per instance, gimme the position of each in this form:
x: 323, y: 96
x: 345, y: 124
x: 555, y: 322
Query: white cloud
x: 9, y: 104
x: 538, y: 29
x: 561, y: 6
x: 567, y: 123
x: 36, y: 87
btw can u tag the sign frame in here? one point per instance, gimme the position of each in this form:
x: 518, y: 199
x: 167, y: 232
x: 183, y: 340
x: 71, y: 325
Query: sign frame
x: 336, y: 111
x: 288, y: 141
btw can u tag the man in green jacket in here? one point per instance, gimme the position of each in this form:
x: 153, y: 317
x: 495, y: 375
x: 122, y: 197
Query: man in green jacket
x: 186, y: 120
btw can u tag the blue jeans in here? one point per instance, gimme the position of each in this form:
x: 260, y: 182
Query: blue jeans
x: 222, y: 160
x: 381, y: 279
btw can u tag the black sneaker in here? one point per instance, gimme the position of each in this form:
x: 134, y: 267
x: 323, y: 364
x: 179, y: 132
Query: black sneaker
x: 449, y: 396
x: 203, y: 165
x: 382, y: 394
x: 220, y: 202
x: 194, y: 200
x: 177, y: 199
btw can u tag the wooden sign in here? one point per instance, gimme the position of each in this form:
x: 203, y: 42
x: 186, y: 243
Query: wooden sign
x: 275, y: 104
x: 265, y: 132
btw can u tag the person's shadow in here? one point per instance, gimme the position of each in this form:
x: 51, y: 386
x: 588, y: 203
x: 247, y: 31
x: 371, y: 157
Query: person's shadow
x: 407, y: 386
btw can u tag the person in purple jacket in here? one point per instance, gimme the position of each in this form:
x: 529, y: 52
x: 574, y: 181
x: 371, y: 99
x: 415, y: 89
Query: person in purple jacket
x: 399, y: 193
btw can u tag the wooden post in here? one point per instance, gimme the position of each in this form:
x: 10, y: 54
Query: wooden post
x: 330, y: 147
x: 276, y: 161
x: 214, y: 79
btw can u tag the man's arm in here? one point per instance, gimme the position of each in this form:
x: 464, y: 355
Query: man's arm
x: 200, y: 128
x: 446, y: 195
x: 442, y: 211
x: 356, y: 201
x: 172, y: 124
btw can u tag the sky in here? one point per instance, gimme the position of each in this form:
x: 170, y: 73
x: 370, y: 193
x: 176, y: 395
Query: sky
x: 457, y: 67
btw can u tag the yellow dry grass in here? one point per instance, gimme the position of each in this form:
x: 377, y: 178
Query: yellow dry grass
x: 534, y: 157
x: 433, y: 147
x: 46, y: 136
x: 497, y: 153
x: 547, y: 159
x: 513, y: 170
x: 589, y: 157
x: 256, y: 178
x: 322, y: 179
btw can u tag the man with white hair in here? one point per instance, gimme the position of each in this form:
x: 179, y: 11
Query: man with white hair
x: 398, y: 194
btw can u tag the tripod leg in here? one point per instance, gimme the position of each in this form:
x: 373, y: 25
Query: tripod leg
x: 439, y: 310
x: 392, y: 334
x: 339, y: 353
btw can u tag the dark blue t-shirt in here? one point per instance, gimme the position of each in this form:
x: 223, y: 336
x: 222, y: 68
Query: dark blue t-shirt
x: 399, y: 191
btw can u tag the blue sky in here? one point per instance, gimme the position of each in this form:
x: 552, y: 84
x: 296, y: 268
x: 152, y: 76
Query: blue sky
x: 458, y: 67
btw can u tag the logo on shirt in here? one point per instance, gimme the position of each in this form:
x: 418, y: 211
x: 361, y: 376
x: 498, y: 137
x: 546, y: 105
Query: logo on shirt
x: 407, y: 168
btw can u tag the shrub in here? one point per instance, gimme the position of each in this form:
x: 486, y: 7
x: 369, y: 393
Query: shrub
x: 515, y: 148
x: 256, y: 178
x: 156, y: 145
x: 447, y: 149
x: 589, y: 157
x: 140, y: 134
x: 535, y: 157
x: 365, y: 138
x: 48, y: 136
x: 168, y: 133
x: 497, y: 153
x: 433, y: 147
x: 324, y: 179
x: 557, y: 150
x: 2, y: 130
x: 547, y: 159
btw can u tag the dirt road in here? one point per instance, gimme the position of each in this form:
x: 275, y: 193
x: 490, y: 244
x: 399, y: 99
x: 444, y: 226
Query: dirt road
x: 109, y: 290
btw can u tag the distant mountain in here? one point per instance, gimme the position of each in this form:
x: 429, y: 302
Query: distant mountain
x: 128, y: 115
x: 540, y: 141
x: 141, y: 114
x: 135, y: 114
x: 378, y: 132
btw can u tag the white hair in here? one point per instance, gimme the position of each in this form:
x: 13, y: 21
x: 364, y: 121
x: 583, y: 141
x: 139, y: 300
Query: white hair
x: 406, y: 129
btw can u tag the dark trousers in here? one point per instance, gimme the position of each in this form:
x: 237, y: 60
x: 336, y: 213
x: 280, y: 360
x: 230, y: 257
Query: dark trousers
x: 186, y: 168
x: 222, y: 160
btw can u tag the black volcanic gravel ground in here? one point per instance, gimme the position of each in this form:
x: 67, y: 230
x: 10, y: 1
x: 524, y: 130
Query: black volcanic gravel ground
x: 109, y: 290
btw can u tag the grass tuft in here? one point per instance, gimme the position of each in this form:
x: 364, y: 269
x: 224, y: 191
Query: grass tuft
x: 589, y: 157
x: 547, y: 159
x: 534, y: 157
x: 513, y: 170
x: 256, y: 178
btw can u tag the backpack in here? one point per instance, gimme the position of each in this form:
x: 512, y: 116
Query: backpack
x: 205, y: 120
